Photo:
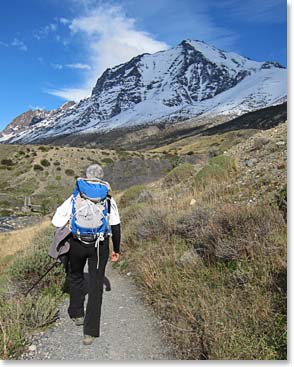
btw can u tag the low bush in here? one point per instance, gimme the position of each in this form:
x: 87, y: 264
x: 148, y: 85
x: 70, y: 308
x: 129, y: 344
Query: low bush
x: 131, y: 195
x: 37, y: 167
x: 176, y: 160
x: 44, y: 162
x: 192, y: 225
x: 107, y: 160
x: 44, y: 149
x: 217, y: 169
x: 181, y: 173
x: 7, y: 162
x: 259, y: 143
x: 151, y: 224
x: 69, y: 172
x: 232, y: 232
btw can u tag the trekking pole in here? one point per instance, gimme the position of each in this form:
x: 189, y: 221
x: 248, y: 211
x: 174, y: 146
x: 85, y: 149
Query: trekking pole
x: 38, y: 281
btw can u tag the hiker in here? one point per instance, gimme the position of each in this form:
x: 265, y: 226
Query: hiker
x: 83, y: 245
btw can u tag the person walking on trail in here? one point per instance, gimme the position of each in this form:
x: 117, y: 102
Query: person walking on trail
x: 93, y: 217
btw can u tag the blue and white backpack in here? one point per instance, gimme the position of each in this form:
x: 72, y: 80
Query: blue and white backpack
x: 90, y: 210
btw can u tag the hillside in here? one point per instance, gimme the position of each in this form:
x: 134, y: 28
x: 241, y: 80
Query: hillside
x: 47, y: 173
x: 208, y: 247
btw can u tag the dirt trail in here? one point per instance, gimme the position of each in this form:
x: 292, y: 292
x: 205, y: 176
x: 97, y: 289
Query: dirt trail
x: 129, y: 330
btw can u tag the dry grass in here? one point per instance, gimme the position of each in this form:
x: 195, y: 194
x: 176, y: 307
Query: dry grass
x: 20, y: 315
x: 203, y: 144
x: 214, y: 271
x: 19, y: 240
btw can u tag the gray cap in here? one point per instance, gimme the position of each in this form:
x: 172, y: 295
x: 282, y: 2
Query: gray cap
x: 94, y: 171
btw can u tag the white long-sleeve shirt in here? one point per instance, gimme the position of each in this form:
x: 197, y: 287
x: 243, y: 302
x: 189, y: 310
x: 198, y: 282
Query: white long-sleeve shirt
x: 63, y: 213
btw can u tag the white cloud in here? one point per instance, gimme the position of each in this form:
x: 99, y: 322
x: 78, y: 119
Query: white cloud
x: 56, y: 66
x: 43, y: 32
x: 110, y: 38
x: 19, y: 44
x: 64, y: 21
x: 78, y: 65
x: 260, y: 11
x: 69, y: 94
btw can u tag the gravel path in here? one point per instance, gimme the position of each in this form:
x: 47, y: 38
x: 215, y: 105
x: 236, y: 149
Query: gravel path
x: 129, y: 330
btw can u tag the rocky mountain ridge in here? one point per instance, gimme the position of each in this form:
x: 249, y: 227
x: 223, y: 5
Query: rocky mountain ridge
x: 193, y: 79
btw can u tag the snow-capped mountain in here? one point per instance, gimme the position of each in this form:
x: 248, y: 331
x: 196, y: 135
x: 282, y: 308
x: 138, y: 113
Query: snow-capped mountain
x: 191, y: 80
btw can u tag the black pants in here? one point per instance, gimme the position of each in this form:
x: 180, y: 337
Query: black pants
x: 78, y: 255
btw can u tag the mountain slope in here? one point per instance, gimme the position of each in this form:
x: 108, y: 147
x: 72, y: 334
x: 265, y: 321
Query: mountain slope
x: 187, y: 81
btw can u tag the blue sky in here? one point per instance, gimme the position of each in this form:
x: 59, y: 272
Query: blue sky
x: 54, y: 50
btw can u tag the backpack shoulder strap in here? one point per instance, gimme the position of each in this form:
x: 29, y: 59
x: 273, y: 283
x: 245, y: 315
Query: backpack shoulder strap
x: 108, y: 200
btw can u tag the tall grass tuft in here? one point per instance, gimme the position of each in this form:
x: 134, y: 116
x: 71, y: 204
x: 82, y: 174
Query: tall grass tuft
x: 19, y: 315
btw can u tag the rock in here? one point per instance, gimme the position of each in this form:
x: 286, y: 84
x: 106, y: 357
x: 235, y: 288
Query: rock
x: 251, y: 162
x: 193, y: 202
x: 189, y: 257
x: 32, y: 348
x: 280, y: 143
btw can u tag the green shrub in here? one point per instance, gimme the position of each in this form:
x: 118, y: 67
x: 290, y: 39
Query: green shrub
x: 44, y: 162
x: 58, y: 178
x: 176, y: 160
x: 107, y: 160
x: 43, y: 148
x: 218, y: 168
x: 179, y: 174
x: 69, y: 172
x: 37, y: 167
x: 131, y: 195
x: 7, y: 162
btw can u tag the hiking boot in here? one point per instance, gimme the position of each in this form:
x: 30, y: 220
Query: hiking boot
x: 88, y: 339
x: 79, y: 321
